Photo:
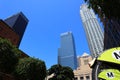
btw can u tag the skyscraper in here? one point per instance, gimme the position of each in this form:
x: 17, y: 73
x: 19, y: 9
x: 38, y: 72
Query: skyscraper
x: 18, y: 23
x: 92, y: 29
x: 67, y: 53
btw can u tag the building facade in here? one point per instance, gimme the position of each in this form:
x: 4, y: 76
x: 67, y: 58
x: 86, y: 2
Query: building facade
x: 66, y: 52
x: 83, y: 72
x: 7, y: 32
x: 93, y: 30
x: 18, y: 23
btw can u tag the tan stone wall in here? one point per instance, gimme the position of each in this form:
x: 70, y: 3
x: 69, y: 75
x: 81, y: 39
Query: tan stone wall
x: 83, y: 70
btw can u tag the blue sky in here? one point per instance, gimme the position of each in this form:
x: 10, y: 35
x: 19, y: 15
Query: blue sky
x: 47, y: 20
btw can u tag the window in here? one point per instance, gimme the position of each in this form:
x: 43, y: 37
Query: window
x: 0, y: 28
x: 81, y: 78
x: 87, y: 77
x: 86, y: 62
x: 76, y: 78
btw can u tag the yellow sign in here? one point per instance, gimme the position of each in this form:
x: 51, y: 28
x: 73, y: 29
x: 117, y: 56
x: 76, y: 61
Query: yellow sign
x: 111, y: 55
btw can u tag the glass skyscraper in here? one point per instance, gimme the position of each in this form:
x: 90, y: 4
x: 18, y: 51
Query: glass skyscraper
x: 66, y: 53
x: 92, y: 29
x: 18, y: 23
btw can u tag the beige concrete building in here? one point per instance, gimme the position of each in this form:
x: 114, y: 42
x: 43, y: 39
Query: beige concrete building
x: 83, y: 72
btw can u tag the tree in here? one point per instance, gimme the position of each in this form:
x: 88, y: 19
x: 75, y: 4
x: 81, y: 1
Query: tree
x: 60, y: 72
x: 8, y: 58
x: 55, y: 69
x: 68, y: 73
x: 30, y: 69
x: 108, y: 9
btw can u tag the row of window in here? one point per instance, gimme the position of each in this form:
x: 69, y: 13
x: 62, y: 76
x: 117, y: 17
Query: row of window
x: 82, y: 78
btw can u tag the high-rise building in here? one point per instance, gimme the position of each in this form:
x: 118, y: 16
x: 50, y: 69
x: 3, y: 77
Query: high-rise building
x: 92, y: 29
x: 83, y: 72
x: 67, y: 53
x: 18, y: 23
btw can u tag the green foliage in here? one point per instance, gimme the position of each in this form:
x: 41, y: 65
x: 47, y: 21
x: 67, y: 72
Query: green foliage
x: 18, y: 53
x: 11, y: 62
x: 55, y: 69
x: 30, y: 69
x: 8, y: 58
x: 105, y: 8
x: 68, y: 72
x: 61, y: 73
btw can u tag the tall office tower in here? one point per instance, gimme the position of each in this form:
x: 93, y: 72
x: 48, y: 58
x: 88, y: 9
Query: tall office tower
x: 92, y: 29
x: 18, y: 22
x: 66, y: 53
